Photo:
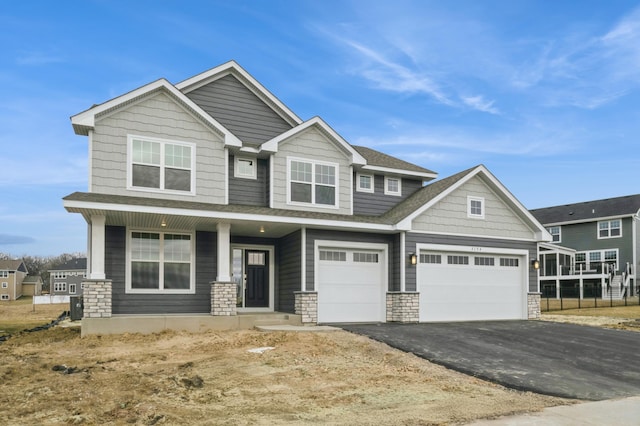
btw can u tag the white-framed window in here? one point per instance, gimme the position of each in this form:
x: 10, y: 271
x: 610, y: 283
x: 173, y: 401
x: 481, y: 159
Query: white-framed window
x: 4, y: 297
x: 246, y: 168
x: 365, y: 257
x: 312, y: 182
x: 555, y: 234
x: 59, y: 275
x: 475, y: 207
x: 484, y: 261
x: 4, y: 274
x: 5, y: 284
x: 431, y: 258
x: 333, y: 255
x: 511, y: 262
x: 457, y: 260
x: 610, y: 229
x: 160, y: 262
x: 59, y: 287
x: 365, y: 183
x: 72, y: 289
x: 161, y: 165
x: 392, y: 186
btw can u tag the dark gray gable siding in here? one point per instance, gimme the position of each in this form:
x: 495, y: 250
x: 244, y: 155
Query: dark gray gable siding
x: 412, y: 239
x: 318, y: 234
x: 239, y: 110
x: 377, y: 203
x: 289, y: 273
x: 249, y: 192
x: 122, y: 303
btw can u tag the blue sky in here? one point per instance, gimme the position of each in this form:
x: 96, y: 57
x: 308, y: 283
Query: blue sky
x: 544, y: 93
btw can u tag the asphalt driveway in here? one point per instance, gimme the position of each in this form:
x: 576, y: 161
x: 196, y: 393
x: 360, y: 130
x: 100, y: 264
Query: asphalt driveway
x: 565, y: 360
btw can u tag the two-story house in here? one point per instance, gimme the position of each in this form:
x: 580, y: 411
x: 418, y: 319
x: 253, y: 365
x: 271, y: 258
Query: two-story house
x: 210, y: 198
x: 66, y: 279
x: 594, y: 251
x: 12, y: 274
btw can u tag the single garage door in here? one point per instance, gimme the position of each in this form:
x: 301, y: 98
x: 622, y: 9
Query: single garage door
x: 351, y: 285
x: 469, y: 286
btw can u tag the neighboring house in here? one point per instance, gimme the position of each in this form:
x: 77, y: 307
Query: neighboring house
x: 595, y: 247
x: 211, y: 197
x: 32, y: 285
x: 66, y: 279
x: 12, y: 274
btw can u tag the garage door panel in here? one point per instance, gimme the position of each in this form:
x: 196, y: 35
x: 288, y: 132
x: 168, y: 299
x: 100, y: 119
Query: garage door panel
x: 351, y: 291
x: 471, y: 291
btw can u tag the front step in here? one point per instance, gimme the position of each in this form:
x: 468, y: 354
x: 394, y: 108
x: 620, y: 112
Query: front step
x: 251, y: 320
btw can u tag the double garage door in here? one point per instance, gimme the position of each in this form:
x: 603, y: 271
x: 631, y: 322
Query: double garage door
x: 351, y: 284
x: 471, y: 285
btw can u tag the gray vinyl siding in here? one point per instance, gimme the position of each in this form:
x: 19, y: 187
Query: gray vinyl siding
x: 289, y: 272
x: 157, y: 116
x: 356, y: 237
x: 239, y: 110
x: 200, y: 302
x: 312, y: 145
x: 377, y: 203
x: 251, y: 192
x: 412, y: 239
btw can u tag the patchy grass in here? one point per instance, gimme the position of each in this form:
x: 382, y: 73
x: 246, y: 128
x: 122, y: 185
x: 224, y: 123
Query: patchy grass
x: 22, y: 314
x: 584, y: 306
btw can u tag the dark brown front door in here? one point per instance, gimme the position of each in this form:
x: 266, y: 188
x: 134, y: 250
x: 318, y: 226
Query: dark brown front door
x: 257, y: 285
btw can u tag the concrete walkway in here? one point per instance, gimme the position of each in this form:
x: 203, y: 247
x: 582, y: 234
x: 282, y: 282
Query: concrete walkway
x: 617, y: 412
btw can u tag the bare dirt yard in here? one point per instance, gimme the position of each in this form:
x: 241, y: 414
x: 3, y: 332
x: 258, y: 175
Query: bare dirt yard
x: 619, y: 317
x: 55, y: 377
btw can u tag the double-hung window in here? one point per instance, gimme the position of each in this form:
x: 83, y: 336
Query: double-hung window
x: 160, y: 262
x: 610, y: 229
x: 312, y: 182
x: 555, y: 233
x: 158, y: 164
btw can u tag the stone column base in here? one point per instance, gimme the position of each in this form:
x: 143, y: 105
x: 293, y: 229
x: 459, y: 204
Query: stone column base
x: 97, y: 297
x: 403, y: 307
x: 223, y: 299
x: 533, y: 305
x: 306, y: 305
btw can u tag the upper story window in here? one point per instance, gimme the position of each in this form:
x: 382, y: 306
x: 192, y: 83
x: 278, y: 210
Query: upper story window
x: 610, y: 229
x: 392, y: 186
x: 157, y: 164
x: 160, y: 262
x: 475, y: 207
x: 555, y: 233
x: 365, y: 183
x: 245, y: 168
x: 312, y: 182
x: 4, y: 274
x: 59, y: 275
x: 5, y: 285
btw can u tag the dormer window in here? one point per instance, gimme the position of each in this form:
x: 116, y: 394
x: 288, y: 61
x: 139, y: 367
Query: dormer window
x: 245, y: 168
x: 365, y: 183
x: 392, y: 186
x: 475, y: 207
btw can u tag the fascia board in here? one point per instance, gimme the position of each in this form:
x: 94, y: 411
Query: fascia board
x: 71, y: 205
x: 232, y: 66
x: 589, y: 220
x: 272, y: 145
x: 87, y: 118
x: 400, y: 172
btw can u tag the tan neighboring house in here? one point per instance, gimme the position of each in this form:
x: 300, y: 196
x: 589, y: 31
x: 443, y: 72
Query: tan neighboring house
x: 12, y: 275
x: 32, y: 285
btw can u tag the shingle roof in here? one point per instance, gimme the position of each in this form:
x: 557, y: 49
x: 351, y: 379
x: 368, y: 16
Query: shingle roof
x: 377, y: 158
x: 423, y: 196
x: 589, y: 210
x: 71, y: 265
x: 12, y: 265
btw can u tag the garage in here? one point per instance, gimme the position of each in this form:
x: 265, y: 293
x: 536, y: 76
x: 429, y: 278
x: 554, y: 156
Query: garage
x: 351, y: 283
x: 479, y: 283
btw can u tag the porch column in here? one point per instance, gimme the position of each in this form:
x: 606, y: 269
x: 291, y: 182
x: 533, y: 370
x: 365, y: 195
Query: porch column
x: 558, y: 289
x: 97, y: 247
x: 581, y: 289
x: 224, y: 250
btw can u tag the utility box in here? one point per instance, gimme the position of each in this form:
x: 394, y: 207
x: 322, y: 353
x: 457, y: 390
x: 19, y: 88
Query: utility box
x: 76, y: 305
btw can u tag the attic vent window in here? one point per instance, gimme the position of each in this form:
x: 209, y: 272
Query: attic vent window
x: 475, y: 207
x: 245, y: 168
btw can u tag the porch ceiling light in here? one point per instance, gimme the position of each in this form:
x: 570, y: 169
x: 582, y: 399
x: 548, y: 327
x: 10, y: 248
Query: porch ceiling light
x: 413, y: 258
x: 262, y: 229
x: 163, y: 223
x: 535, y: 264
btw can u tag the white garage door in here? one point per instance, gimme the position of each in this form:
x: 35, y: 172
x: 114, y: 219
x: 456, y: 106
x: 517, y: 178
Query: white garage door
x: 464, y: 286
x: 351, y: 285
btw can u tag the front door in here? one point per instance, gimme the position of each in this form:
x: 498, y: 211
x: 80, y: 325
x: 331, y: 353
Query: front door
x: 256, y: 294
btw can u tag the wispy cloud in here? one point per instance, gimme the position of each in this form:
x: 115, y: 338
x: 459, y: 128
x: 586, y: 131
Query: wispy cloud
x: 480, y: 104
x: 38, y: 58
